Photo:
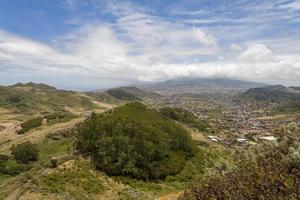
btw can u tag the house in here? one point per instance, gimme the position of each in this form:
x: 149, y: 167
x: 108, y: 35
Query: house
x: 268, y: 138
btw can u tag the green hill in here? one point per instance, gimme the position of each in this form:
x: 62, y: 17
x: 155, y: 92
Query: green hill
x: 276, y: 93
x: 131, y: 93
x: 135, y: 141
x: 122, y: 94
x: 32, y: 97
x: 186, y: 117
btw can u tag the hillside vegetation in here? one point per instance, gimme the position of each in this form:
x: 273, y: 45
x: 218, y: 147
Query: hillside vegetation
x: 32, y: 97
x: 276, y: 93
x: 186, y: 117
x: 271, y: 172
x: 122, y: 94
x: 135, y: 141
x: 30, y: 124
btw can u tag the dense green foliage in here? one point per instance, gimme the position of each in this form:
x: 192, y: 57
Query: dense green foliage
x: 10, y: 167
x: 122, y: 94
x: 57, y: 117
x: 134, y: 141
x: 186, y: 117
x: 25, y: 152
x: 271, y: 173
x: 291, y: 106
x: 30, y: 124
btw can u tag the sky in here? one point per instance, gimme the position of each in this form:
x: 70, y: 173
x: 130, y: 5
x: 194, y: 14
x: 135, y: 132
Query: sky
x: 93, y: 44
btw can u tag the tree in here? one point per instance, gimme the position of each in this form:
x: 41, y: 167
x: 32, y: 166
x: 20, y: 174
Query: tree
x: 25, y: 152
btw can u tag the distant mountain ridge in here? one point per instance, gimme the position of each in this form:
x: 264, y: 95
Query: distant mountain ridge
x: 198, y: 85
x: 131, y: 93
x: 213, y: 82
x: 34, y: 97
x: 34, y: 85
x: 274, y: 93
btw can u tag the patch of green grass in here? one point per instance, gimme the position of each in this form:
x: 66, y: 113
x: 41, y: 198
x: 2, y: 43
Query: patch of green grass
x: 50, y: 148
x: 79, y: 182
x: 197, y: 166
x: 4, y: 177
x: 10, y: 168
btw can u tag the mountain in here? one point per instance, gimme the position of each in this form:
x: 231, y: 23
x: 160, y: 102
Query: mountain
x: 286, y: 98
x: 275, y: 93
x: 198, y: 85
x: 116, y: 95
x: 33, y: 97
x: 140, y: 93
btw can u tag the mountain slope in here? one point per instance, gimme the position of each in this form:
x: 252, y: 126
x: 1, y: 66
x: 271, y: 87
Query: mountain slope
x: 276, y: 93
x: 40, y: 97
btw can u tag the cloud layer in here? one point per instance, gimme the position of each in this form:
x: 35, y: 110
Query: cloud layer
x: 141, y: 46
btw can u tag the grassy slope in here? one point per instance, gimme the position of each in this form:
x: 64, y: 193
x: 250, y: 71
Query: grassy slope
x: 31, y: 98
x: 79, y: 181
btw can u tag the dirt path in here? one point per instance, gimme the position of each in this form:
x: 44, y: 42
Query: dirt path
x: 98, y: 103
x: 173, y: 196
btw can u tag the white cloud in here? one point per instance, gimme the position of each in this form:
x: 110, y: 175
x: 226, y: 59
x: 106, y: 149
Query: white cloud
x: 140, y: 46
x: 255, y: 52
x: 295, y: 5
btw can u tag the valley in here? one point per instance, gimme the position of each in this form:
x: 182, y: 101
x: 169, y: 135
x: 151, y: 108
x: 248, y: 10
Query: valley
x: 141, y: 142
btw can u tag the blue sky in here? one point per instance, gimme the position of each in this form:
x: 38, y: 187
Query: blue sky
x: 91, y: 44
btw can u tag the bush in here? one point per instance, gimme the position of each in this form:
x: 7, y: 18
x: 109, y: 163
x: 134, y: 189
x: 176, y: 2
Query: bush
x: 134, y: 141
x: 30, y: 124
x: 53, y: 162
x: 25, y: 152
x: 272, y: 174
x: 58, y: 117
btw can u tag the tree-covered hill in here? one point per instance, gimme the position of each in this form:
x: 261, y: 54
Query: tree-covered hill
x: 286, y: 99
x: 276, y: 93
x: 186, y: 117
x: 134, y: 141
x: 122, y: 94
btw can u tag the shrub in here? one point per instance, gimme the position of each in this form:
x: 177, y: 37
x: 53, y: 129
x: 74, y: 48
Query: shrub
x: 53, y: 162
x: 30, y: 124
x: 272, y: 174
x: 58, y: 117
x: 25, y: 152
x: 134, y: 141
